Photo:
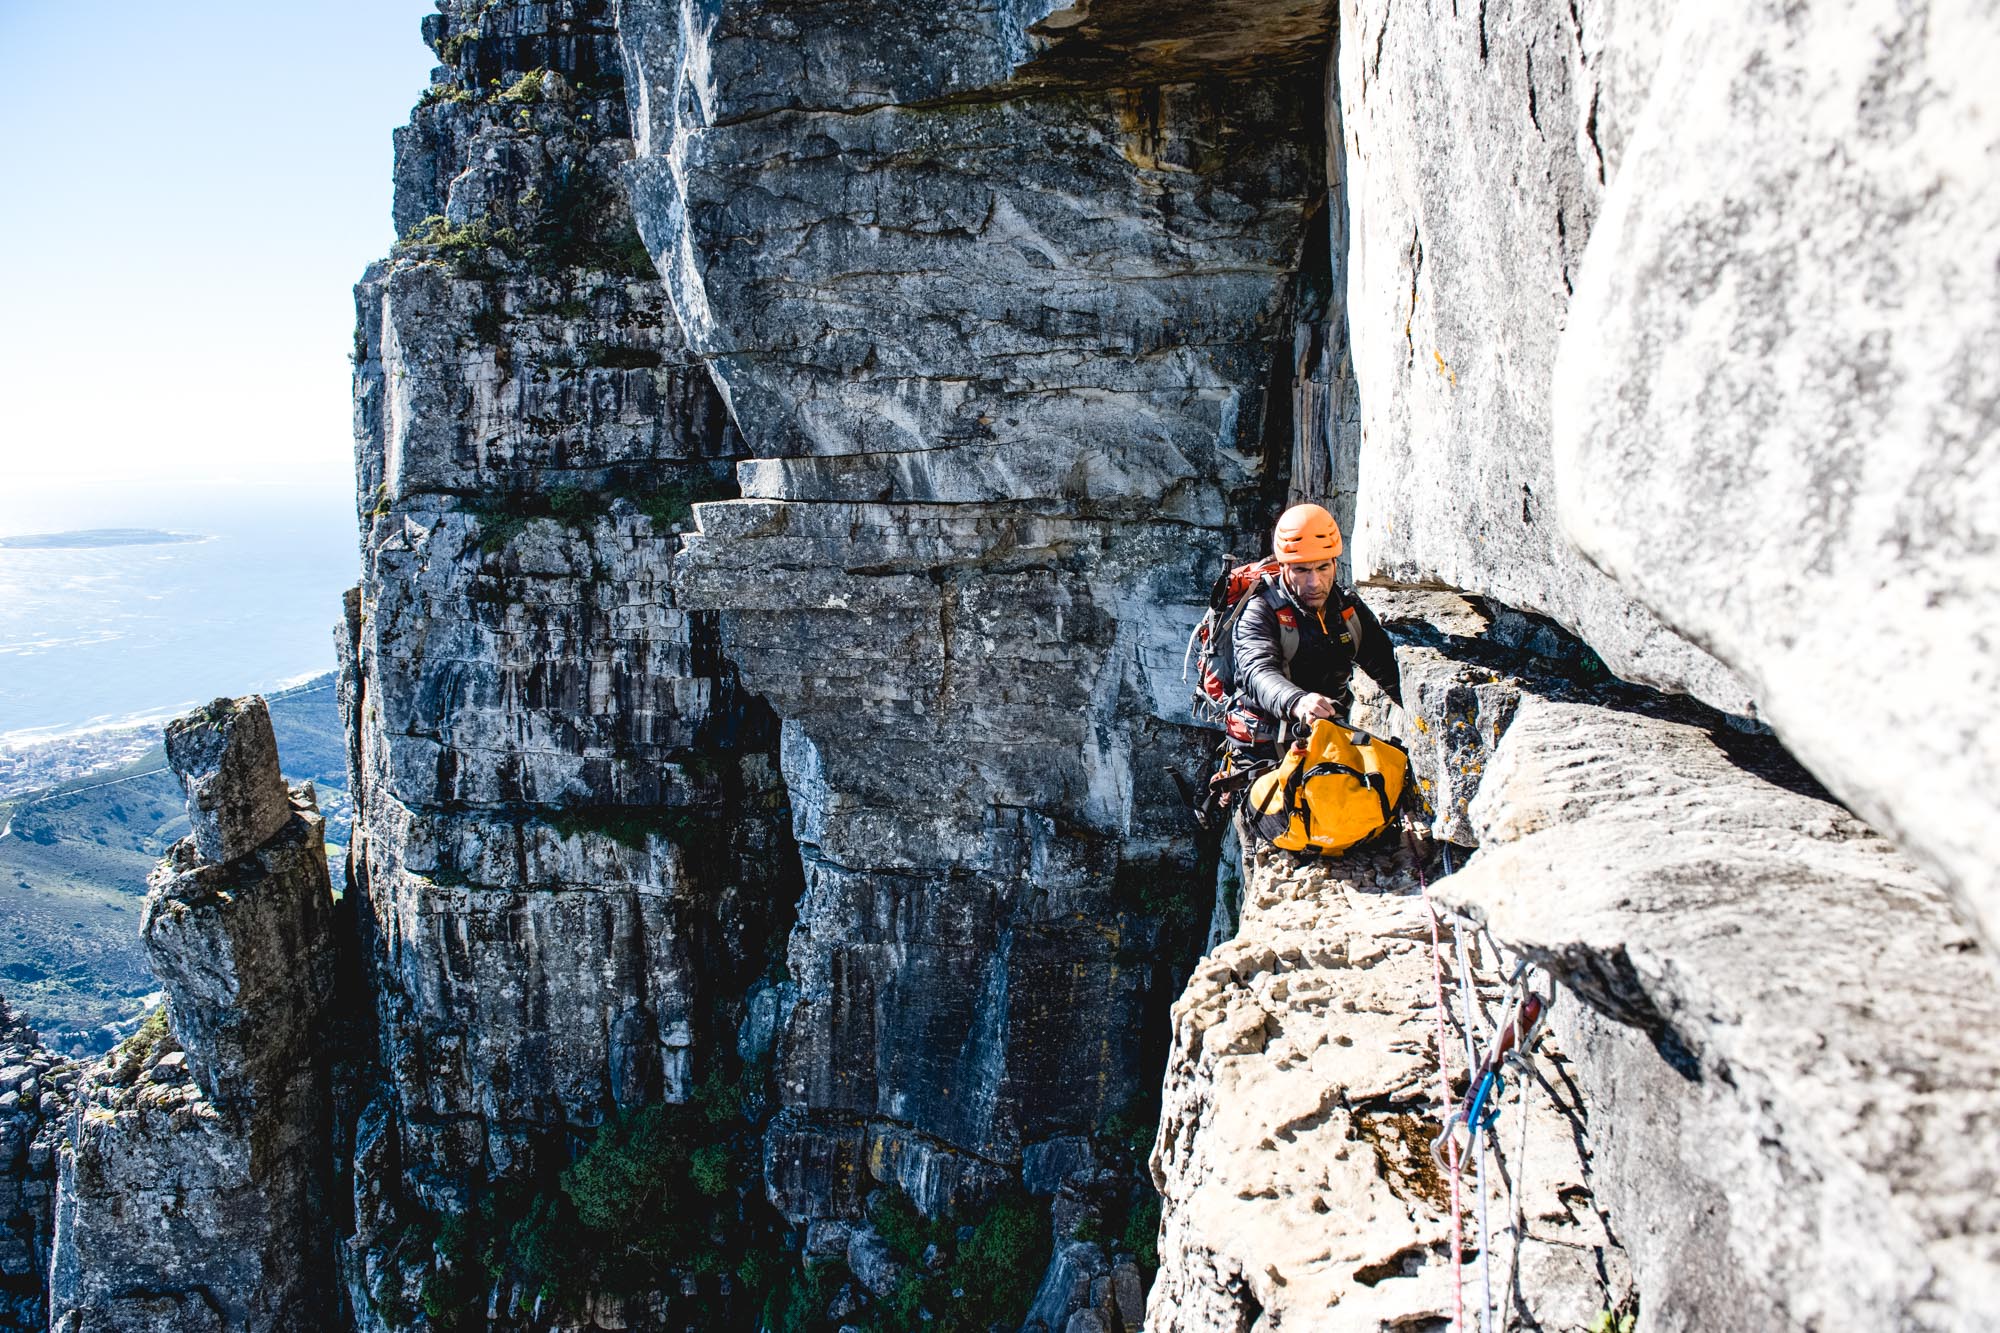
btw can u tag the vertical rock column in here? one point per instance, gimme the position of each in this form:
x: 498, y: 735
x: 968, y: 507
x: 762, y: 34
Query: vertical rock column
x: 193, y: 1186
x: 569, y: 842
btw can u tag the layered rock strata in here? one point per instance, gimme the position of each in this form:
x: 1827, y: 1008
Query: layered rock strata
x: 36, y: 1089
x: 195, y: 1179
x: 571, y: 851
x: 1300, y: 1107
x: 1785, y: 1035
x: 997, y: 311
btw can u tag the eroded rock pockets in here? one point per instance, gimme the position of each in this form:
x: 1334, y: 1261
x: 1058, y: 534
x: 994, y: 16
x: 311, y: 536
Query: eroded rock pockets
x: 1300, y: 1107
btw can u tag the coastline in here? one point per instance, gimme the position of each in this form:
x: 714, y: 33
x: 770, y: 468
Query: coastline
x: 34, y: 758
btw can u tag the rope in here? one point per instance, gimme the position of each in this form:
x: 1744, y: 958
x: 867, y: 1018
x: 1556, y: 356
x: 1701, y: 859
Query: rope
x: 1445, y: 1103
x: 1466, y: 986
x: 1517, y: 1201
x: 1507, y: 1043
x: 1515, y: 1016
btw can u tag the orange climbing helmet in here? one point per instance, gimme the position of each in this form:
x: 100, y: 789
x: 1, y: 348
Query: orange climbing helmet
x: 1306, y: 535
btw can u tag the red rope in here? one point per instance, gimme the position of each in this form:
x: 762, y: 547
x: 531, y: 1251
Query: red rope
x: 1445, y: 1102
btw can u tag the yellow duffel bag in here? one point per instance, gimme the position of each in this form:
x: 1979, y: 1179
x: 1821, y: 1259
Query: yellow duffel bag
x: 1336, y: 788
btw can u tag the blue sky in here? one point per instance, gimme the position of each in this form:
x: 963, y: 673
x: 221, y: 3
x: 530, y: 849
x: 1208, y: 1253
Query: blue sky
x: 190, y: 193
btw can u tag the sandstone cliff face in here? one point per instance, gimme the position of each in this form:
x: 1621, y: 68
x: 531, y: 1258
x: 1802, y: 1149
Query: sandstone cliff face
x: 792, y: 442
x: 197, y: 1168
x: 998, y: 326
x: 1661, y: 322
x: 1785, y: 1031
x: 991, y: 357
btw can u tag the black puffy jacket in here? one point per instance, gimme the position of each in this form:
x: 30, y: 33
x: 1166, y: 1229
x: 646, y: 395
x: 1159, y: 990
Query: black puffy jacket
x: 1327, y: 652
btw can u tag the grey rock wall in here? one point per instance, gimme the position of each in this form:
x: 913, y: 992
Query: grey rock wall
x: 1660, y: 325
x: 1774, y: 423
x: 37, y: 1087
x: 994, y: 308
x: 792, y: 442
x: 195, y: 1178
x: 571, y: 855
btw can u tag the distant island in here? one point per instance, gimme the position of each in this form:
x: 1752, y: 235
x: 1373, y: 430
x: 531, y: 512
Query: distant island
x: 85, y: 537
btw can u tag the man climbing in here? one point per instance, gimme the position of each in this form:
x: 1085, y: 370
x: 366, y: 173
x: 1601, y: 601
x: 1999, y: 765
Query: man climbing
x: 1299, y: 638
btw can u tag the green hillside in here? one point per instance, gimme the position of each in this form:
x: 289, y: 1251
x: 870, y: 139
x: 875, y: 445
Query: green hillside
x: 73, y: 869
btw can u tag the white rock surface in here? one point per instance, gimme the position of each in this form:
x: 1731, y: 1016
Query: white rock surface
x: 1789, y: 1054
x: 1775, y: 404
x: 1476, y: 142
x: 1300, y: 1102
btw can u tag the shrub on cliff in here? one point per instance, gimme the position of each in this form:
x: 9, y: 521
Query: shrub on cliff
x: 635, y: 1186
x: 992, y: 1259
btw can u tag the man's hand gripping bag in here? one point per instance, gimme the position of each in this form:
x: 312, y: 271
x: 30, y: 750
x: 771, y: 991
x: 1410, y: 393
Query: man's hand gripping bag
x: 1336, y: 788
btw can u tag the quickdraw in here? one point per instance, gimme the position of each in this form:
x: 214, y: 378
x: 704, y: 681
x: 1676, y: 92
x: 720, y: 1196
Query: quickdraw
x: 1515, y: 1036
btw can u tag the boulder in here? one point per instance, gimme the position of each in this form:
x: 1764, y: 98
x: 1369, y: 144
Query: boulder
x: 1775, y: 425
x: 1784, y: 1034
x: 226, y: 758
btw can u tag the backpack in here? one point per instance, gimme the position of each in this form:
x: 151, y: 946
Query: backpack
x: 1335, y: 789
x: 1211, y: 648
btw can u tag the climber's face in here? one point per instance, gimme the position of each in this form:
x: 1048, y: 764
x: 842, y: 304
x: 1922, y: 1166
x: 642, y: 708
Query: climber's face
x: 1312, y: 583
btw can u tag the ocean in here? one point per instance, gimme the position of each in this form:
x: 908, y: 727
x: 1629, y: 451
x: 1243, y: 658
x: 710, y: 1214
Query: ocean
x: 97, y: 637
